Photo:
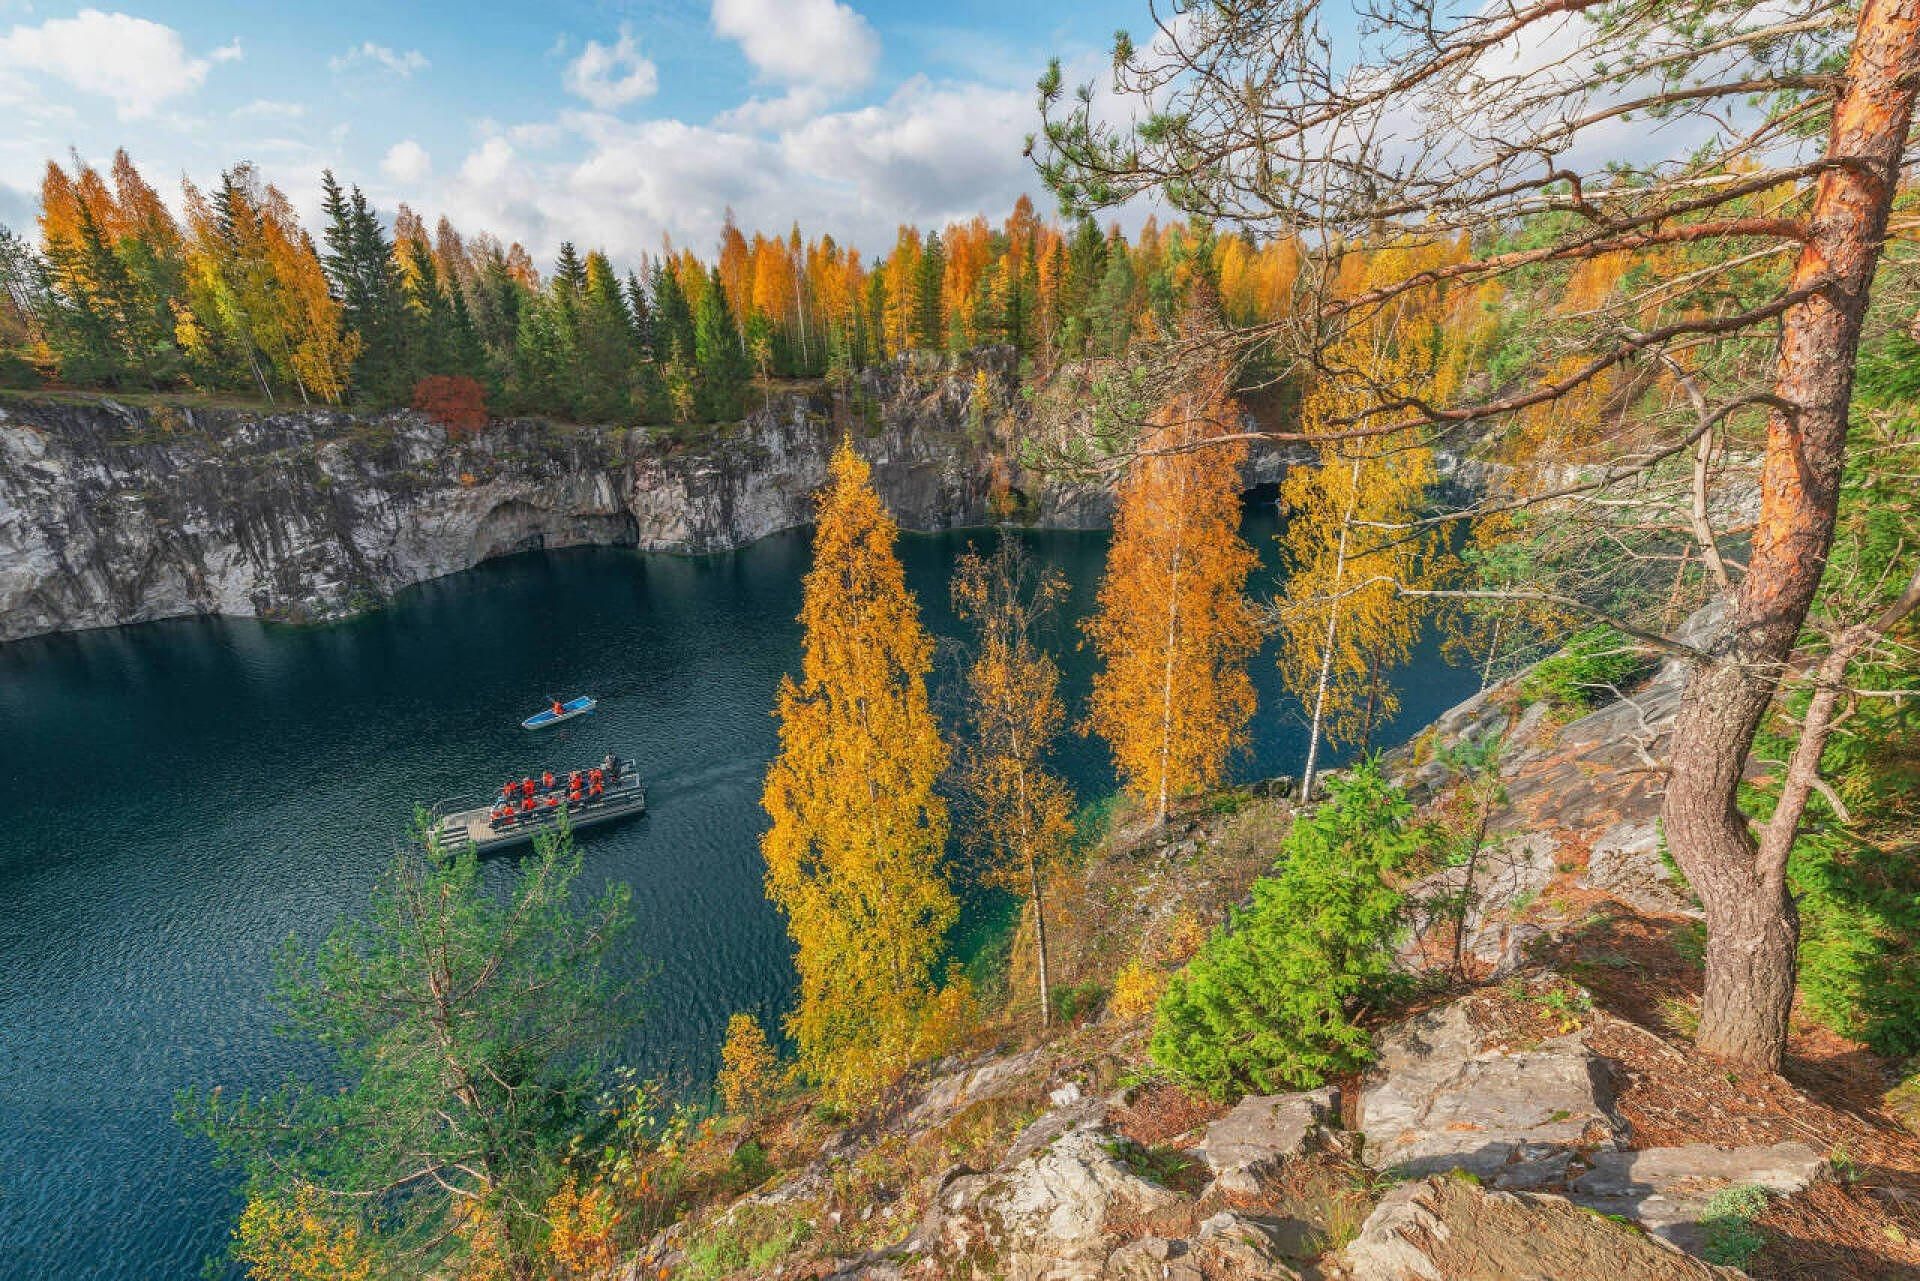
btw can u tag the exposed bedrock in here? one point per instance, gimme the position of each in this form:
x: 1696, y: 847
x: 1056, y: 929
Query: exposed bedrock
x: 113, y: 514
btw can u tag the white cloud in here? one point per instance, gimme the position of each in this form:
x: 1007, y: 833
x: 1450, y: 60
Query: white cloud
x: 818, y: 42
x: 228, y: 52
x: 610, y: 76
x: 488, y: 164
x: 407, y: 162
x: 791, y: 108
x: 136, y: 63
x: 928, y: 153
x: 369, y: 54
x: 271, y: 109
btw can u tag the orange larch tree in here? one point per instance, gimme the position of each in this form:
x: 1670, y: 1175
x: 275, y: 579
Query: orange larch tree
x: 858, y: 832
x: 1175, y: 629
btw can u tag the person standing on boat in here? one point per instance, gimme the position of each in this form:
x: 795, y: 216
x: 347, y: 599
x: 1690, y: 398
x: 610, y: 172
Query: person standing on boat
x: 556, y: 708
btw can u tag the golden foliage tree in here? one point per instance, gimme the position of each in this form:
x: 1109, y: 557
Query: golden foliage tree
x: 747, y: 1066
x: 854, y: 851
x: 1020, y: 810
x: 1350, y: 539
x: 1175, y: 629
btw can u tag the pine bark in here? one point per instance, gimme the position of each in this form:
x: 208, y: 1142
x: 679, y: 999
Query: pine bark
x: 1752, y: 929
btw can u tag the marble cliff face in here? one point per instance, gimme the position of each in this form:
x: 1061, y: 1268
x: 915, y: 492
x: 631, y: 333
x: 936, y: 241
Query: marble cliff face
x: 111, y: 514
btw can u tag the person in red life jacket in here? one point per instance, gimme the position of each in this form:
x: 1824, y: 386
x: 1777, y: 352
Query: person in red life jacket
x: 596, y: 776
x: 507, y: 789
x: 526, y: 787
x: 557, y: 709
x: 553, y: 802
x: 597, y: 789
x: 526, y: 805
x: 574, y: 781
x: 546, y: 781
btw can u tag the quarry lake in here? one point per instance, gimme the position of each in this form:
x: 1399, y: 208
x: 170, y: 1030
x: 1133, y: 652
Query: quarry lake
x: 182, y: 795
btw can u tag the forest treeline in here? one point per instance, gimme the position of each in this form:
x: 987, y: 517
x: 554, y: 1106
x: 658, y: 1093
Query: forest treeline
x: 118, y: 293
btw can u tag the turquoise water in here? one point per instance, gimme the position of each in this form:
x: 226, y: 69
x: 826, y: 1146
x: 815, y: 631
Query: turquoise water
x: 182, y: 795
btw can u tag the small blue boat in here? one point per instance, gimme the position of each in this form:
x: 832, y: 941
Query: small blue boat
x: 547, y: 716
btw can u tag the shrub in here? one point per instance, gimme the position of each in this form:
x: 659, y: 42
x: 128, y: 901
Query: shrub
x: 1267, y: 1003
x: 1592, y: 664
x: 948, y: 1018
x: 17, y: 373
x: 455, y: 402
x: 1136, y: 990
x: 1078, y: 1001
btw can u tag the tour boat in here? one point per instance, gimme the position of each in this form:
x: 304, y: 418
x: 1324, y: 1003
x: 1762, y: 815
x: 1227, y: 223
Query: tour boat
x: 457, y: 829
x: 547, y: 716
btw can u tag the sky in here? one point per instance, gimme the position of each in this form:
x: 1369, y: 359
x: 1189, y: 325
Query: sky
x: 608, y: 123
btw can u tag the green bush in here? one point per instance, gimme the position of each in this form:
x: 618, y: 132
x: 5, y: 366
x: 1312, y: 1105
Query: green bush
x: 1080, y: 1001
x: 17, y: 373
x: 1586, y: 671
x: 1267, y: 1004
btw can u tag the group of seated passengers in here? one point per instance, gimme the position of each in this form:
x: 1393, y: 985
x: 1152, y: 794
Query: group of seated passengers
x: 530, y: 798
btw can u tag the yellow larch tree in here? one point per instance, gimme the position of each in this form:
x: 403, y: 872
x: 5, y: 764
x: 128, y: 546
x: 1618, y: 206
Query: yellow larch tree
x: 858, y: 832
x: 1350, y: 540
x: 1020, y: 811
x: 1175, y: 629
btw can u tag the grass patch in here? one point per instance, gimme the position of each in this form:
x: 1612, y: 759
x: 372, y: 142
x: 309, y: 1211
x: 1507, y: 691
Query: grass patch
x: 1732, y: 1238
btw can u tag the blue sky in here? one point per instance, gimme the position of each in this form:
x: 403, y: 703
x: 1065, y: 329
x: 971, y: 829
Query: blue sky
x: 609, y: 123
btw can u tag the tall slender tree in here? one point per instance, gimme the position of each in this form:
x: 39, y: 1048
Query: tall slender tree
x: 858, y: 830
x: 1019, y: 809
x: 1175, y: 629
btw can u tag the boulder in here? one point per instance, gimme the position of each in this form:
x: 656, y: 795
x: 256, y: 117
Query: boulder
x: 1051, y: 1215
x: 976, y: 1082
x: 1625, y: 863
x: 1667, y: 1190
x: 1450, y: 1229
x: 1251, y: 1141
x: 1154, y: 1259
x: 1438, y: 1098
x: 1227, y: 1247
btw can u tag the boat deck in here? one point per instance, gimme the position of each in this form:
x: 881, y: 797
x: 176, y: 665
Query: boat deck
x: 459, y: 829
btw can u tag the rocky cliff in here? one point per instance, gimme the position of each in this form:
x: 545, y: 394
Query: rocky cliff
x: 112, y: 514
x: 1537, y: 1112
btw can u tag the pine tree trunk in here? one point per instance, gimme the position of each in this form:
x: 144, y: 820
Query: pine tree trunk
x: 1752, y: 930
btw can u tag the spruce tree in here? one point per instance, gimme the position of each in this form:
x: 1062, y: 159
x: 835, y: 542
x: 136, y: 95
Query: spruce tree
x: 1268, y: 1003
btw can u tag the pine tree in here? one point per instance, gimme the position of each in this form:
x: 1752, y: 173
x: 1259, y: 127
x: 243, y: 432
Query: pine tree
x: 858, y: 830
x: 1175, y: 629
x: 718, y: 355
x: 366, y: 279
x: 607, y: 348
